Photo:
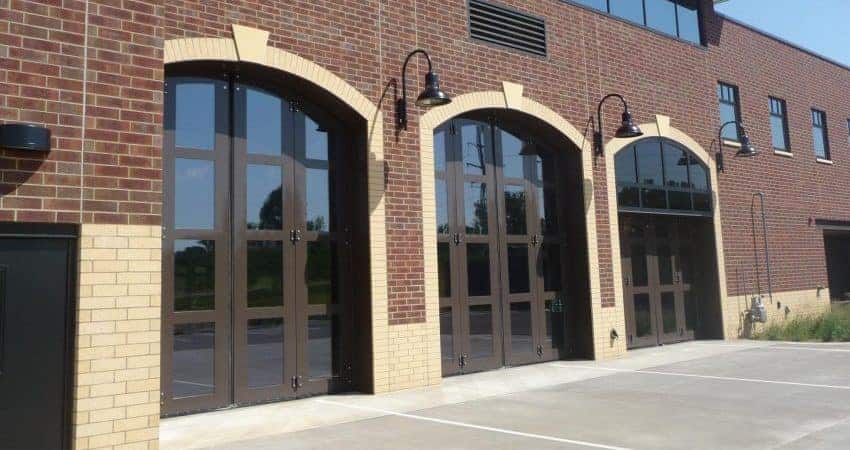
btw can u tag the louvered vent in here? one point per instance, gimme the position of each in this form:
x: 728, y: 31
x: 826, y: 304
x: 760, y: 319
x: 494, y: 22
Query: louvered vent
x: 508, y: 28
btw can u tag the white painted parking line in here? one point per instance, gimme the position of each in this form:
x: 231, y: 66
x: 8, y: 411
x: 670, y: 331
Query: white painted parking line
x: 473, y: 426
x: 813, y: 349
x: 708, y: 377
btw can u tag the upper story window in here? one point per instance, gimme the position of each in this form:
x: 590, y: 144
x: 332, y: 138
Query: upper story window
x: 819, y: 134
x: 678, y: 18
x: 779, y: 124
x: 730, y: 109
x: 657, y: 174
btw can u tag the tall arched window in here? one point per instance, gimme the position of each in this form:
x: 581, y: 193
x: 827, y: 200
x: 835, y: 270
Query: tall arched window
x: 660, y: 175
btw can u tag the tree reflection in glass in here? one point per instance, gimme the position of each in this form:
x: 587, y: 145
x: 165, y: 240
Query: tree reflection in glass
x: 194, y: 275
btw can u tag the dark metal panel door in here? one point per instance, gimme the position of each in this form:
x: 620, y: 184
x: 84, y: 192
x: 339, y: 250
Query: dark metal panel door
x: 36, y: 310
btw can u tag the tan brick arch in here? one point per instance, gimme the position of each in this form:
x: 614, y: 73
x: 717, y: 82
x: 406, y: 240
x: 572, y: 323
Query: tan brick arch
x: 250, y: 45
x: 511, y: 97
x: 661, y: 128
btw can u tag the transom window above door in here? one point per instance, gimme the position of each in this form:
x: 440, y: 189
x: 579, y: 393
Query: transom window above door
x: 659, y: 175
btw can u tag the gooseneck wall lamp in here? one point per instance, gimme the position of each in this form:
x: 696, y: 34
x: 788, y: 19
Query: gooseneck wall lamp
x: 432, y: 95
x: 747, y: 149
x: 627, y: 129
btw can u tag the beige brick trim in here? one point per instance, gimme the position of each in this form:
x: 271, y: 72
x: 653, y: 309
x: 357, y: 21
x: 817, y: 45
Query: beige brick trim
x: 507, y: 99
x: 786, y: 306
x: 661, y: 128
x: 250, y: 45
x: 118, y: 337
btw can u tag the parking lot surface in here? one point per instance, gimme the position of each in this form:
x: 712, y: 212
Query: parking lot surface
x: 699, y: 395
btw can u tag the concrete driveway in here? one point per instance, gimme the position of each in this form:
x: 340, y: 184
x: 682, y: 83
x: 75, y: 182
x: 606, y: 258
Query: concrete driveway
x: 699, y: 395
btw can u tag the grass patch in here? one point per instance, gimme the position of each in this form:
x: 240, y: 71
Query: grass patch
x: 831, y: 327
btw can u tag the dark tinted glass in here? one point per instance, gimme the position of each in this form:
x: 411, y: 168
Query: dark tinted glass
x: 512, y: 162
x: 480, y: 331
x: 624, y: 164
x: 679, y: 200
x: 661, y: 15
x: 265, y: 352
x: 649, y: 162
x: 643, y: 318
x: 264, y: 197
x: 691, y: 310
x: 551, y: 267
x: 547, y: 209
x: 194, y: 194
x: 675, y: 166
x: 445, y: 270
x: 321, y: 268
x: 515, y: 210
x: 640, y: 274
x: 653, y: 198
x: 475, y: 207
x: 440, y: 147
x: 518, y: 279
x: 688, y: 18
x: 194, y: 115
x: 263, y: 122
x: 698, y: 175
x: 665, y: 264
x: 702, y: 202
x: 322, y: 332
x: 446, y: 334
x: 628, y: 196
x: 318, y: 215
x: 668, y: 312
x: 478, y: 269
x: 631, y: 10
x: 521, y: 338
x: 442, y: 200
x: 193, y: 366
x: 265, y: 273
x: 194, y: 275
x: 315, y: 140
x: 474, y: 148
x: 601, y: 5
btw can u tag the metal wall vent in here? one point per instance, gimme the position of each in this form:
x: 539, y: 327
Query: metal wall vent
x: 507, y: 28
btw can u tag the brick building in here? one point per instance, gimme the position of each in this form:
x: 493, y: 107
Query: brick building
x: 228, y: 210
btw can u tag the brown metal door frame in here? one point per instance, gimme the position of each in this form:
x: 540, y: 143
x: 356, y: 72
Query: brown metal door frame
x: 220, y: 316
x: 630, y: 291
x: 471, y: 363
x: 505, y: 240
x: 243, y: 393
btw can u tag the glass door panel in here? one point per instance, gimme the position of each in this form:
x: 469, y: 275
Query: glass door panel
x: 195, y: 245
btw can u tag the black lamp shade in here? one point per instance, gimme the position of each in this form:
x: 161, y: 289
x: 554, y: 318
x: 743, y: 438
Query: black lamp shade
x: 22, y: 136
x: 628, y: 129
x: 747, y: 149
x: 432, y: 95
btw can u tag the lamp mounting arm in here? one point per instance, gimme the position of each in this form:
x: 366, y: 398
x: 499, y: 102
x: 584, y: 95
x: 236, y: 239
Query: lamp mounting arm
x: 598, y: 139
x: 404, y: 70
x: 719, y: 157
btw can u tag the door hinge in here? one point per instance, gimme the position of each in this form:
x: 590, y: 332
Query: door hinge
x: 539, y: 351
x: 457, y: 239
x: 161, y: 397
x: 535, y: 240
x: 294, y: 236
x: 295, y: 382
x: 461, y: 360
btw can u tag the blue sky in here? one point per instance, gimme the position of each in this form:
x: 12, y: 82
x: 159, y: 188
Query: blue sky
x: 817, y: 25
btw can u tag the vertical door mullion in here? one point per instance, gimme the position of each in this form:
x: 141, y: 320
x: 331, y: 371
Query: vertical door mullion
x: 654, y: 281
x: 458, y: 199
x: 294, y: 262
x: 454, y: 160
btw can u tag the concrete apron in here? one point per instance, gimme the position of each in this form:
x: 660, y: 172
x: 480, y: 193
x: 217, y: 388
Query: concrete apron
x: 232, y: 425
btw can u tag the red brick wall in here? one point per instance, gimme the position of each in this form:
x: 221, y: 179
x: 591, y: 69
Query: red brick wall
x: 365, y: 42
x: 114, y: 176
x: 797, y: 190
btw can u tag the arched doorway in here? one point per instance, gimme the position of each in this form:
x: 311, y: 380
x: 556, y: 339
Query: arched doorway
x: 667, y: 248
x: 262, y: 201
x: 513, y: 286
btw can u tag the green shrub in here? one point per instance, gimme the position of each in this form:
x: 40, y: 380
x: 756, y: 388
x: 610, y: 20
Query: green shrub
x: 831, y: 327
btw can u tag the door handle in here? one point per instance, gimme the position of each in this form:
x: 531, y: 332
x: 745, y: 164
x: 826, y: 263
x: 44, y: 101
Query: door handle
x: 627, y: 280
x: 539, y: 351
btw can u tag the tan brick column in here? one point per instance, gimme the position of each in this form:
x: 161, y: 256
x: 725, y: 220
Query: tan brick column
x: 118, y: 338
